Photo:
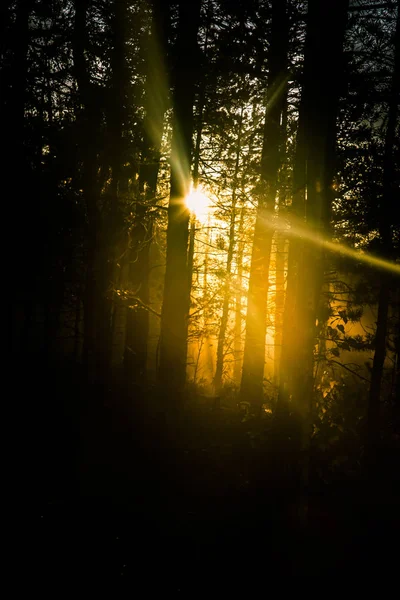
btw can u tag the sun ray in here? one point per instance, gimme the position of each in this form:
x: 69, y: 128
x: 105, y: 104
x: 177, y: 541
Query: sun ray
x: 300, y: 231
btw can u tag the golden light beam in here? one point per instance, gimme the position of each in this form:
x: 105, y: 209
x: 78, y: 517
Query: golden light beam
x: 300, y: 231
x: 365, y: 257
x: 279, y: 86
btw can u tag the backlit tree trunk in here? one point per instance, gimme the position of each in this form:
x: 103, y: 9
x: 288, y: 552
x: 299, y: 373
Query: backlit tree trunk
x: 279, y: 301
x: 156, y: 100
x: 227, y: 287
x: 116, y: 116
x: 256, y: 320
x: 173, y: 342
x: 237, y: 343
x: 312, y: 183
x: 281, y: 248
x: 192, y: 220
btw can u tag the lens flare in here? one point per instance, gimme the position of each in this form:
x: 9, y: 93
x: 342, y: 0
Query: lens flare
x: 198, y: 203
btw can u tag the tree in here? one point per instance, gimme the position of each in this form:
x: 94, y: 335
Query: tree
x: 13, y: 83
x: 386, y: 283
x: 254, y: 349
x: 227, y: 287
x: 116, y: 111
x: 311, y: 204
x: 155, y: 105
x: 175, y: 309
x: 90, y: 123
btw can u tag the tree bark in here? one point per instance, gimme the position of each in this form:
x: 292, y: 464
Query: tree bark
x: 279, y: 301
x: 90, y: 120
x: 237, y: 343
x: 15, y: 37
x: 312, y: 182
x: 112, y: 221
x: 313, y: 172
x: 227, y: 287
x: 281, y: 248
x: 156, y: 101
x: 388, y: 201
x: 173, y: 342
x: 256, y: 320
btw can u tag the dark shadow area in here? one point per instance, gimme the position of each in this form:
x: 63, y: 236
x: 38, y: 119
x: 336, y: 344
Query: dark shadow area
x: 111, y: 492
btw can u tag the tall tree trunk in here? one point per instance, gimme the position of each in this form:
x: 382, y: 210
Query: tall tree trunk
x: 13, y: 74
x: 281, y: 239
x: 396, y: 405
x: 237, y: 344
x: 256, y: 320
x: 173, y: 342
x: 206, y: 310
x: 109, y: 232
x: 388, y: 201
x: 13, y: 77
x: 312, y: 182
x: 77, y: 328
x: 279, y: 301
x: 227, y: 287
x: 90, y: 120
x: 192, y: 218
x: 137, y: 318
x: 195, y: 177
x: 156, y: 102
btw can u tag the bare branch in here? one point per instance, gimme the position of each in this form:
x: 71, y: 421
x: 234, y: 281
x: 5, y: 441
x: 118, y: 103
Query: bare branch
x: 143, y: 305
x: 336, y: 362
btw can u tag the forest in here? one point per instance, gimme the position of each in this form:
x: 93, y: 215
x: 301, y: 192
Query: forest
x: 205, y: 341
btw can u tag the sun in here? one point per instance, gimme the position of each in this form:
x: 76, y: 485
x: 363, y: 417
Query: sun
x: 198, y: 203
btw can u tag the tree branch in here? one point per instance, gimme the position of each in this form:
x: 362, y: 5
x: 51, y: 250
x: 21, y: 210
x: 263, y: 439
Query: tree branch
x: 143, y: 305
x: 336, y: 362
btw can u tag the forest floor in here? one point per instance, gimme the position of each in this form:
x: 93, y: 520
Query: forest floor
x: 110, y: 495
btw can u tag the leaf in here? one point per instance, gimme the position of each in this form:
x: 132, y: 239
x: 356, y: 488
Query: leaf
x: 335, y: 351
x: 345, y: 346
x: 340, y: 327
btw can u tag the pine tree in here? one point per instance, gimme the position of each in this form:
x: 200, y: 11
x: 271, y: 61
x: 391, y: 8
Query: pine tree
x: 175, y: 309
x: 254, y: 349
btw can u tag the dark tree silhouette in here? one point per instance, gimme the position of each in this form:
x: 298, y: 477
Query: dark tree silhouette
x: 175, y: 310
x: 387, y: 283
x: 312, y: 197
x: 256, y: 320
x: 156, y: 102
